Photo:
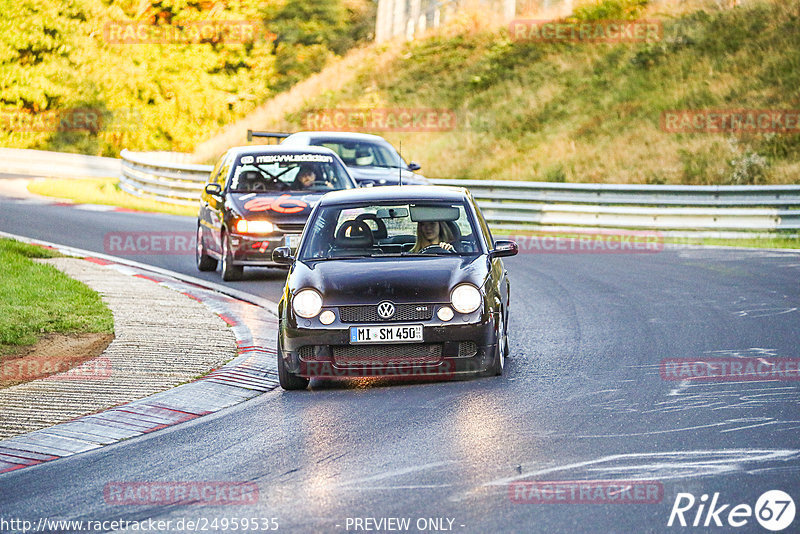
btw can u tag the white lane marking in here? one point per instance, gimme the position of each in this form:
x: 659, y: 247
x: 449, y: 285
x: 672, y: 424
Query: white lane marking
x: 751, y: 426
x: 396, y: 473
x: 764, y: 312
x: 728, y: 460
x: 376, y: 488
x: 682, y: 385
x: 124, y: 269
x: 94, y: 207
x: 650, y: 432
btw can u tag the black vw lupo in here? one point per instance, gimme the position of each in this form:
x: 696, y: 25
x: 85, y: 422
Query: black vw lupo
x: 369, y: 293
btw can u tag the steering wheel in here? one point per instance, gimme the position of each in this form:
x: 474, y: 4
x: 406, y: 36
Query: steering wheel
x: 436, y: 248
x: 259, y: 186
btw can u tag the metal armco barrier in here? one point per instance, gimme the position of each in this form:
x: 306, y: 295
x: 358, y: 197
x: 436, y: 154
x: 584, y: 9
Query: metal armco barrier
x: 742, y: 208
x: 514, y: 206
x: 159, y: 176
x: 735, y: 211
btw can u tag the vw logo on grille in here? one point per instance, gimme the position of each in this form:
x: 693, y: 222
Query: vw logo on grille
x: 385, y: 310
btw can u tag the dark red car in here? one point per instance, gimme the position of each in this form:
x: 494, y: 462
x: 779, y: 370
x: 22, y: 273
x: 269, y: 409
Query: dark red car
x: 258, y: 198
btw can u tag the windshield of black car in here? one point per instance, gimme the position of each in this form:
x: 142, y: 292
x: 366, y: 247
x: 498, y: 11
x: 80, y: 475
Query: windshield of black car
x: 255, y: 173
x: 363, y: 153
x: 397, y: 229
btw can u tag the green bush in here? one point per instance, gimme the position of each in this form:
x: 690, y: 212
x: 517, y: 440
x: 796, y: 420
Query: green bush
x: 610, y: 10
x: 56, y: 57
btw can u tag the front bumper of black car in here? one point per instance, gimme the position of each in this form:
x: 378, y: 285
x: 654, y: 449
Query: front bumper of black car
x: 465, y: 345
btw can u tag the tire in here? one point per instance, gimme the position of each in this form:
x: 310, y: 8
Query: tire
x: 500, y: 351
x: 505, y: 338
x: 289, y: 381
x: 230, y: 272
x: 204, y: 261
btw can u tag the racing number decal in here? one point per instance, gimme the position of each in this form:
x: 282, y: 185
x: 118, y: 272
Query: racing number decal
x: 282, y: 204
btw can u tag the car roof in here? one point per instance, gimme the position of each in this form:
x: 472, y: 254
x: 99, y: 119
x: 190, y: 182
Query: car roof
x: 399, y: 193
x: 347, y: 136
x: 279, y: 149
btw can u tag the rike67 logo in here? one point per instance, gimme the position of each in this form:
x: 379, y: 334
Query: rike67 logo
x: 774, y: 510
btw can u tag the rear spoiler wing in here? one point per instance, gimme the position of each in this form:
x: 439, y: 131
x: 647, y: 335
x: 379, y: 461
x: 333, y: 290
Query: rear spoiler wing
x: 270, y: 135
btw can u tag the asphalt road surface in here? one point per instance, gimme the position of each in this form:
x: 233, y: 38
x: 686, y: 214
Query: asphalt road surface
x: 582, y: 399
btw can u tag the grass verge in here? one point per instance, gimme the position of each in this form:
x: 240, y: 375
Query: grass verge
x: 775, y: 242
x: 38, y: 299
x: 103, y: 191
x: 528, y: 239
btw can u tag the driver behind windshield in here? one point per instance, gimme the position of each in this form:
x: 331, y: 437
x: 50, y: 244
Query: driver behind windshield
x: 305, y: 178
x: 433, y: 234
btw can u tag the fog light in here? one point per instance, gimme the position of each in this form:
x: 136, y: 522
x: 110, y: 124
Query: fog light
x: 445, y: 313
x: 327, y: 317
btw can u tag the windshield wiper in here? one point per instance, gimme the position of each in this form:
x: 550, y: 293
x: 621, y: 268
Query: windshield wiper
x: 388, y: 166
x: 329, y: 258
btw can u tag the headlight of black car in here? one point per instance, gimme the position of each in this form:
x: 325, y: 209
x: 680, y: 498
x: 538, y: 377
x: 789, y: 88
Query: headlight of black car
x: 307, y: 303
x: 466, y: 298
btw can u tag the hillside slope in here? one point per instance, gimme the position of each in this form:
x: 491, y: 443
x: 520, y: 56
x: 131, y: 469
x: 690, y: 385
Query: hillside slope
x: 591, y: 112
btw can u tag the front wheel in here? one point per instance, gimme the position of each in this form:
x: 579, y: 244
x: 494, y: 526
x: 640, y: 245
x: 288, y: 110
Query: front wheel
x: 230, y: 272
x: 204, y: 261
x: 289, y: 381
x: 500, y: 352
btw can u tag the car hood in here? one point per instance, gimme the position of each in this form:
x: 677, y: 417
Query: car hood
x: 372, y: 280
x: 278, y: 206
x: 385, y: 176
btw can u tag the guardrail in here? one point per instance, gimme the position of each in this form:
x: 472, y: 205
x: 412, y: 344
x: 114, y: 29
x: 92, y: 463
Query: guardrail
x: 162, y: 176
x: 741, y: 208
x: 736, y: 211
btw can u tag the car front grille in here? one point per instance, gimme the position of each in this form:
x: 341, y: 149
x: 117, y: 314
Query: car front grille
x: 388, y: 354
x: 467, y: 349
x: 369, y: 314
x: 290, y: 228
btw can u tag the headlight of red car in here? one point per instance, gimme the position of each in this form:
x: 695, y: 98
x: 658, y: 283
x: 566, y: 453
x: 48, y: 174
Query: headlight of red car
x: 244, y: 226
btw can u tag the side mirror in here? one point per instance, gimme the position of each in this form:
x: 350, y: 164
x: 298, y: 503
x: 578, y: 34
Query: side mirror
x: 504, y: 248
x: 414, y: 166
x: 214, y: 190
x: 282, y: 256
